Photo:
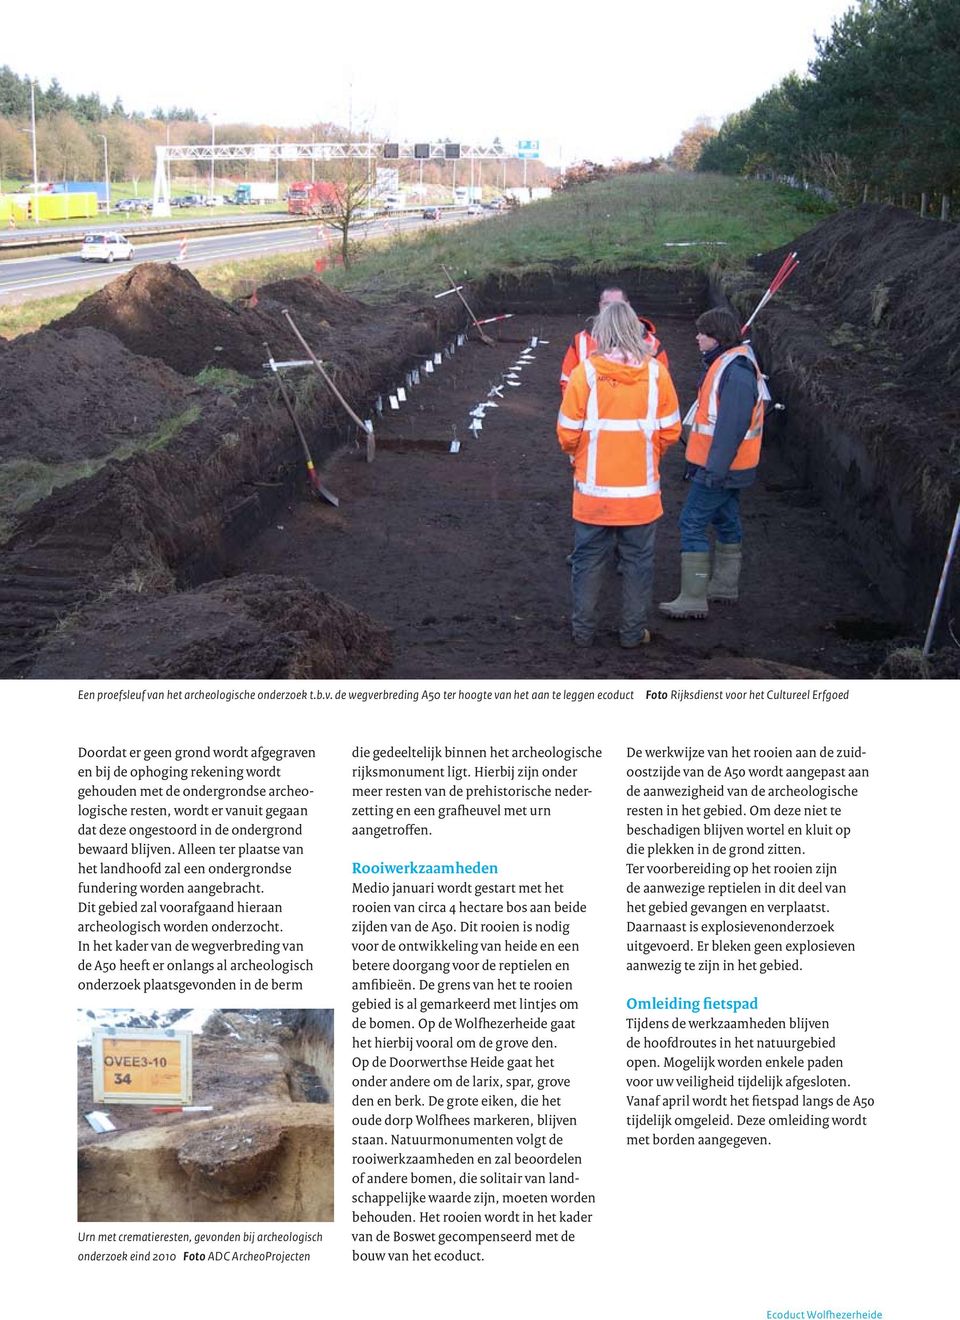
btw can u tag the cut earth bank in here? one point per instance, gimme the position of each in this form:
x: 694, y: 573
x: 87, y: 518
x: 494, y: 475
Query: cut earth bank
x: 202, y: 555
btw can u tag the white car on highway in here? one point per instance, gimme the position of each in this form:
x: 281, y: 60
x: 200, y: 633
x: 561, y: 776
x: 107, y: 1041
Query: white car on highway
x: 106, y: 247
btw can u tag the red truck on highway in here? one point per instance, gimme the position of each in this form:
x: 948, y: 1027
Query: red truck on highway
x: 305, y: 198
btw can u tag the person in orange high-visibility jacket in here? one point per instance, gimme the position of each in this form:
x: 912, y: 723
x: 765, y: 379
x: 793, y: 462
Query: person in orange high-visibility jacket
x: 618, y: 415
x: 583, y: 343
x: 723, y: 452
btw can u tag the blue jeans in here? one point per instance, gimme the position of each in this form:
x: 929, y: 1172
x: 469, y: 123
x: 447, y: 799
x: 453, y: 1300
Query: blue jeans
x: 706, y: 506
x: 593, y: 547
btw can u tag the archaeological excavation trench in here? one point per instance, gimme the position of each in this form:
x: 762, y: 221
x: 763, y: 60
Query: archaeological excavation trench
x: 204, y: 554
x: 263, y: 1152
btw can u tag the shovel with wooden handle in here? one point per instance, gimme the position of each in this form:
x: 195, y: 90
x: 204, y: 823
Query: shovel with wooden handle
x: 319, y: 489
x: 365, y: 427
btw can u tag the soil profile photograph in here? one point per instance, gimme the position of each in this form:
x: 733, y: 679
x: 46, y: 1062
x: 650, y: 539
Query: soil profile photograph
x: 221, y: 1115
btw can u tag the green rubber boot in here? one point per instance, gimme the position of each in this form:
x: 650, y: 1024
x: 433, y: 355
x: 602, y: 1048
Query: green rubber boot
x: 724, y: 584
x: 692, y: 601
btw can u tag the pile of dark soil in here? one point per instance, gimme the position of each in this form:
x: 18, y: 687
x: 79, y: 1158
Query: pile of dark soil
x: 348, y: 337
x: 317, y: 302
x: 162, y: 311
x: 256, y: 626
x: 354, y: 341
x: 892, y: 274
x: 147, y: 524
x: 78, y: 393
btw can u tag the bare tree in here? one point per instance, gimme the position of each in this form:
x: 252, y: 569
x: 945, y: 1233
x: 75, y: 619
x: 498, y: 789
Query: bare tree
x: 351, y: 195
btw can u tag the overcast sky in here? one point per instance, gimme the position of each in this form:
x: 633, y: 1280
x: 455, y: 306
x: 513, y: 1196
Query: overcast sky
x: 580, y: 79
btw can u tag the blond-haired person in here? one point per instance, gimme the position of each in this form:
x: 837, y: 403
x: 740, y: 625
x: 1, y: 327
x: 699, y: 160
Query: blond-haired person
x: 619, y: 414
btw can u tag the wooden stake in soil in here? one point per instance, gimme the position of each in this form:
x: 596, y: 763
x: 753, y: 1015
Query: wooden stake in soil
x: 365, y: 427
x: 318, y: 488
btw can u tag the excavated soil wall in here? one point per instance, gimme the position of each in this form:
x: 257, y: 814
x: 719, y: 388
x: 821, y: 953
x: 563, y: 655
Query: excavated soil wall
x: 653, y: 290
x: 861, y: 348
x: 265, y: 1164
x: 878, y: 471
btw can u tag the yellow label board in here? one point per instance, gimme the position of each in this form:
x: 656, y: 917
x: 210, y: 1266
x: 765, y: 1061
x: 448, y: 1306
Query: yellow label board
x: 139, y: 1067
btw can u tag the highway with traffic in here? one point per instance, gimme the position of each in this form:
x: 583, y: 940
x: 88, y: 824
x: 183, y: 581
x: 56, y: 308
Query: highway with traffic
x: 23, y: 278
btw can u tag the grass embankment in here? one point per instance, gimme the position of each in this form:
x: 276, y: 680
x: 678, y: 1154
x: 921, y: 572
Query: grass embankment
x: 597, y: 228
x: 21, y: 318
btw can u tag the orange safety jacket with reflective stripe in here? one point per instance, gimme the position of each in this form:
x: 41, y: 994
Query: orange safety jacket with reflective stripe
x: 583, y: 345
x: 615, y: 422
x: 702, y: 417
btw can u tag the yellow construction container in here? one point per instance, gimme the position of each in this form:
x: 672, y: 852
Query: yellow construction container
x: 50, y: 206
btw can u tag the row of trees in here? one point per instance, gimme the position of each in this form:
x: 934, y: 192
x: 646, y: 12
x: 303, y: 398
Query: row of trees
x: 69, y: 148
x: 53, y: 100
x: 878, y: 115
x: 70, y: 132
